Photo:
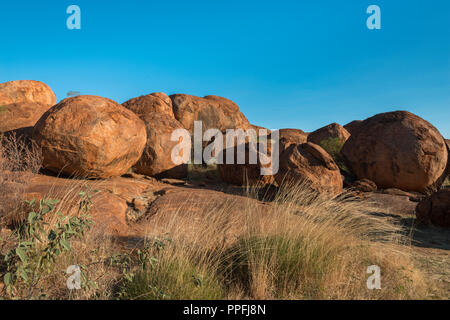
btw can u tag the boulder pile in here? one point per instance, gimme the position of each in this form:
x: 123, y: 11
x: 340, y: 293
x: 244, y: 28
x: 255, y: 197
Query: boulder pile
x: 96, y: 138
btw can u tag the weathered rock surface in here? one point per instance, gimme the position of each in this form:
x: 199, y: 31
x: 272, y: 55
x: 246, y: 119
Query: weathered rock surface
x: 391, y: 204
x: 23, y: 102
x: 250, y: 171
x: 157, y: 159
x: 331, y: 131
x: 91, y: 137
x: 189, y: 210
x: 214, y: 112
x: 353, y: 127
x: 397, y: 150
x: 110, y: 206
x: 154, y: 102
x: 435, y: 209
x: 291, y: 136
x: 310, y: 164
x: 364, y: 185
x: 129, y: 207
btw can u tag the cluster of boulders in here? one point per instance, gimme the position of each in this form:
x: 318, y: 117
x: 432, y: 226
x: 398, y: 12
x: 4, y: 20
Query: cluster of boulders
x: 95, y: 137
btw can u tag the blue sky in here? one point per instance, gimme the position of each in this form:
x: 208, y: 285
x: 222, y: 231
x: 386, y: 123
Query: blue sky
x: 288, y: 64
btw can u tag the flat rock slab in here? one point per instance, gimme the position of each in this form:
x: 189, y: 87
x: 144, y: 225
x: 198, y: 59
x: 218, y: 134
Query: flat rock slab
x: 392, y: 204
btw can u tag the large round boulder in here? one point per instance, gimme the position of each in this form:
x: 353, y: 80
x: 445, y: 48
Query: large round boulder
x: 157, y: 159
x: 91, y: 137
x: 311, y: 165
x: 397, y: 150
x: 353, y: 127
x: 435, y: 209
x: 154, y: 102
x: 331, y: 131
x: 214, y: 112
x: 23, y: 102
x: 288, y: 137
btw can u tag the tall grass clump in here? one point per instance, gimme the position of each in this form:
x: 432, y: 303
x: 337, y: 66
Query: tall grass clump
x: 172, y: 273
x: 301, y: 246
x: 19, y: 160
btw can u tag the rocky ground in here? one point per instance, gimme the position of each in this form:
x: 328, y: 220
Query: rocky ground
x: 126, y: 206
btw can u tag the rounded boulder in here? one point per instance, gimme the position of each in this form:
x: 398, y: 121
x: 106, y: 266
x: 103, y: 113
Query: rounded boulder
x: 397, y: 150
x: 90, y: 137
x: 23, y: 102
x: 331, y: 131
x: 154, y: 102
x: 310, y: 164
x: 157, y: 159
x: 215, y: 112
x: 435, y: 209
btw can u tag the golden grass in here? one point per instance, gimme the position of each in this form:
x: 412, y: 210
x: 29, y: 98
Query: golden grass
x: 304, y: 247
x: 299, y: 246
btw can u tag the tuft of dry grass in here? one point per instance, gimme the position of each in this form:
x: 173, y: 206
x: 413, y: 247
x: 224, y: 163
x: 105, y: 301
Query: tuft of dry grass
x: 19, y: 160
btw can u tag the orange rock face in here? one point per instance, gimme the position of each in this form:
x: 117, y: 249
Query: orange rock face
x: 91, y: 137
x: 397, y: 150
x: 157, y: 157
x: 330, y: 131
x: 215, y: 112
x: 23, y: 102
x: 435, y: 209
x: 291, y: 136
x: 310, y: 164
x: 155, y: 102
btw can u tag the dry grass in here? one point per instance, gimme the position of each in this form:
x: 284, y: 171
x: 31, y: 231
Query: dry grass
x: 300, y: 246
x: 446, y: 183
x: 19, y: 160
x: 304, y: 247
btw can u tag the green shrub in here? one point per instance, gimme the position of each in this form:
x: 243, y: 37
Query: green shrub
x: 334, y: 146
x: 38, y: 247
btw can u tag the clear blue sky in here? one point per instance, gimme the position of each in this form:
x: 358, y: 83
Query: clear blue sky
x: 288, y: 64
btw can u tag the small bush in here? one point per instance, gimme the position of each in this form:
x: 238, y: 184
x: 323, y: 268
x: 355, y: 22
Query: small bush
x: 334, y: 146
x: 37, y: 248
